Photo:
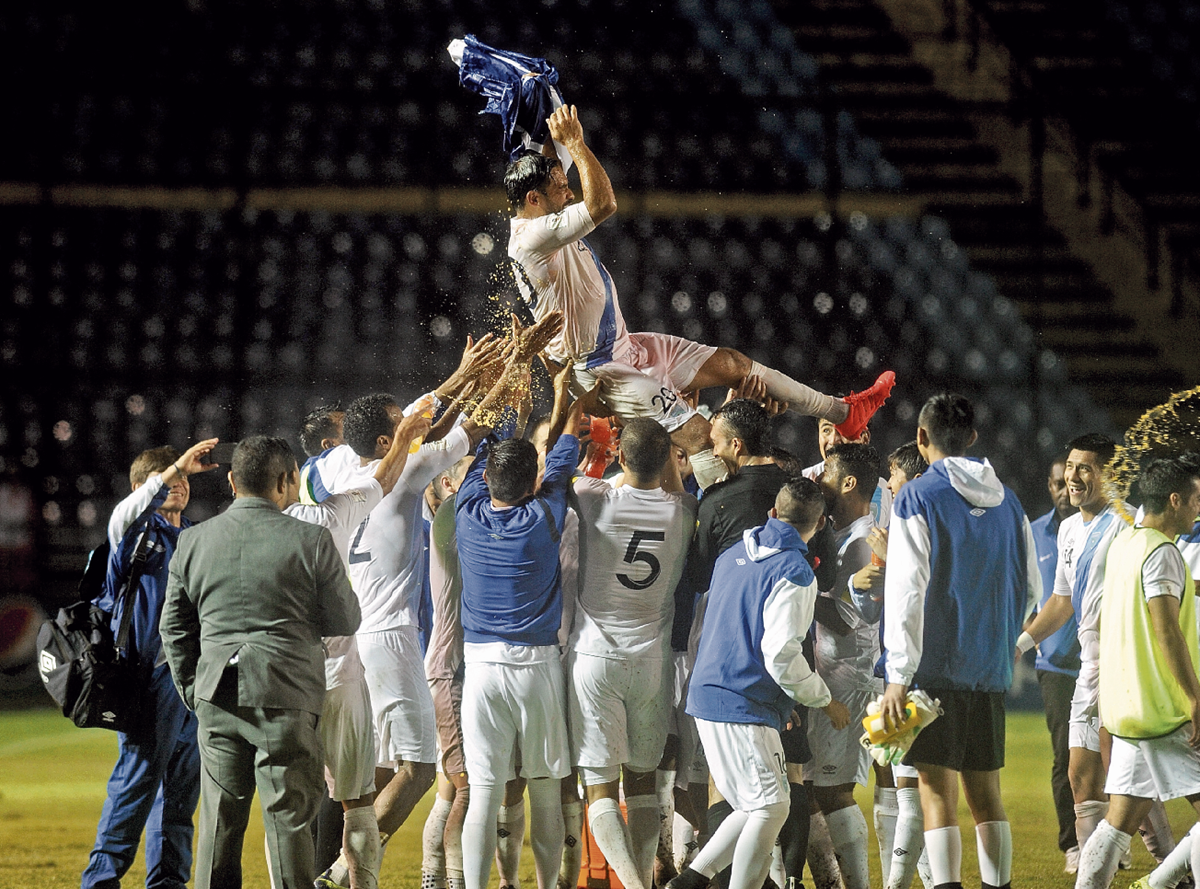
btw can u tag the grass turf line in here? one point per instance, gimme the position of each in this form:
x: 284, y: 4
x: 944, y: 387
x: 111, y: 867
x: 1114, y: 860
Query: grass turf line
x: 53, y: 775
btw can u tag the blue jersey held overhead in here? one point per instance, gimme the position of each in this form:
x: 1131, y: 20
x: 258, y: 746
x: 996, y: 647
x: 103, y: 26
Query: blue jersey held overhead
x: 962, y: 576
x: 508, y: 557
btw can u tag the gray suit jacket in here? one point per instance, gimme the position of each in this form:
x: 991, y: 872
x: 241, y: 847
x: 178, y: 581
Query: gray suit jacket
x: 265, y: 587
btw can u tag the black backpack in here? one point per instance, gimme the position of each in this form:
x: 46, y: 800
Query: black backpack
x: 91, y: 675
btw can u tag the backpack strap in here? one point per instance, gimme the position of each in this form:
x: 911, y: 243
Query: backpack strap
x: 137, y: 567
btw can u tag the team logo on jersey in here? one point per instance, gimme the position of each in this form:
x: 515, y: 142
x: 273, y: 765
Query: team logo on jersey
x: 740, y: 561
x: 978, y: 511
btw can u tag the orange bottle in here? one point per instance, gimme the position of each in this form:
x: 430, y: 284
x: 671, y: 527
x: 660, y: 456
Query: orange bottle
x: 602, y: 437
x: 425, y: 409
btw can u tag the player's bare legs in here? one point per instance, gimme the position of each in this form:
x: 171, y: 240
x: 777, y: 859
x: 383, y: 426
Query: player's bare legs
x: 400, y: 791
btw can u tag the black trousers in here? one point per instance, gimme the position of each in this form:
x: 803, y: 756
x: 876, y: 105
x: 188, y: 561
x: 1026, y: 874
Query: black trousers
x: 1057, y: 689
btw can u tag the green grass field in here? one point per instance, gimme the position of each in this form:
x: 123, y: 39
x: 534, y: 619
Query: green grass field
x: 52, y: 778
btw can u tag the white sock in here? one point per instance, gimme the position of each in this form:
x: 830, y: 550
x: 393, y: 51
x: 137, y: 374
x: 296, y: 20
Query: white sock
x: 1098, y: 859
x: 885, y: 812
x: 800, y: 398
x: 848, y: 833
x: 752, y: 853
x: 572, y: 853
x: 1175, y: 866
x: 923, y: 867
x: 683, y: 842
x: 944, y: 845
x: 1195, y: 856
x: 510, y: 835
x: 612, y: 836
x: 908, y: 843
x: 479, y: 833
x: 717, y: 853
x: 776, y: 872
x: 360, y: 841
x: 642, y: 811
x: 1156, y: 832
x: 993, y: 841
x: 822, y: 861
x: 546, y: 831
x: 433, y: 853
x: 708, y: 468
x: 1087, y: 816
x: 664, y: 789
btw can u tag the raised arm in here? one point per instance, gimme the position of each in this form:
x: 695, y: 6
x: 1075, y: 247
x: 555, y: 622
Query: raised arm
x: 598, y: 194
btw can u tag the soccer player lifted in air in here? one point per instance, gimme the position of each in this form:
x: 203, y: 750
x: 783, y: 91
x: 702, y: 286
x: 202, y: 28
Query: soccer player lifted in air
x: 643, y: 373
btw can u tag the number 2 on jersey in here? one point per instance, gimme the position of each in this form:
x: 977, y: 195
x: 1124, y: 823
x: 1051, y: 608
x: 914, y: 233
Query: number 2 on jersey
x: 355, y: 555
x: 632, y: 554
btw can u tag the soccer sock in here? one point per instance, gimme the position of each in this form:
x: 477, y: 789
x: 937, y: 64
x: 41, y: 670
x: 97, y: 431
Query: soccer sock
x: 717, y: 853
x: 848, y: 833
x: 360, y: 840
x: 993, y: 841
x: 546, y: 833
x: 611, y: 835
x: 923, y: 867
x: 642, y: 811
x: 1087, y: 816
x: 1156, y: 832
x: 822, y: 861
x: 752, y: 853
x: 885, y: 811
x: 1175, y: 866
x: 664, y: 788
x: 479, y: 833
x: 800, y: 398
x: 908, y: 844
x: 717, y: 814
x: 1195, y: 856
x: 510, y: 834
x: 793, y: 836
x: 708, y: 468
x: 452, y: 838
x: 433, y: 853
x: 776, y: 872
x: 683, y: 842
x: 572, y: 853
x: 1098, y: 859
x: 945, y: 855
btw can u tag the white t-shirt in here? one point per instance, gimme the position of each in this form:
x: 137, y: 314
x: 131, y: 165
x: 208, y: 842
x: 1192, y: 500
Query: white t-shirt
x: 1164, y: 573
x: 848, y: 662
x: 558, y: 271
x: 387, y: 554
x: 1082, y: 552
x: 341, y: 513
x: 632, y: 546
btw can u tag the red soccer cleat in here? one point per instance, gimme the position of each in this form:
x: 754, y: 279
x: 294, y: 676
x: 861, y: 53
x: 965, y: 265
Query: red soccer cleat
x: 863, y: 406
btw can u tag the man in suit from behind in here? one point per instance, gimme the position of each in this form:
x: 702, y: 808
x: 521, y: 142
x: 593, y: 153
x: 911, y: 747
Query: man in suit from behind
x: 249, y: 597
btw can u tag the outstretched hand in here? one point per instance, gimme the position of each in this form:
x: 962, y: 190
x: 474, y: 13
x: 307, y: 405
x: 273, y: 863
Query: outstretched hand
x: 190, y: 463
x: 529, y: 341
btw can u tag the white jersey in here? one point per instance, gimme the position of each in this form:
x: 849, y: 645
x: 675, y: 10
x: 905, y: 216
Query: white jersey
x: 847, y: 663
x: 632, y: 545
x: 556, y: 270
x: 568, y: 566
x: 341, y: 513
x: 387, y: 555
x: 881, y: 500
x: 1082, y: 552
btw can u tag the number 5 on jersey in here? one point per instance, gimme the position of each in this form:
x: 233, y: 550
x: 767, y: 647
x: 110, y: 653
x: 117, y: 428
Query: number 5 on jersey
x: 633, y: 554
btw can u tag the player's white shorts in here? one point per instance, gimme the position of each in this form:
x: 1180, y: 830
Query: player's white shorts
x: 645, y: 380
x: 506, y: 707
x: 900, y: 770
x: 617, y: 710
x: 1083, y: 729
x: 690, y: 766
x: 838, y: 757
x: 348, y: 736
x: 1163, y: 768
x: 405, y: 722
x: 746, y: 763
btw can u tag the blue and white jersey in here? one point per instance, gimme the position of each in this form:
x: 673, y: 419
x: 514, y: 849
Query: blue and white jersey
x: 1082, y: 552
x: 558, y: 271
x: 1058, y: 652
x: 962, y: 577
